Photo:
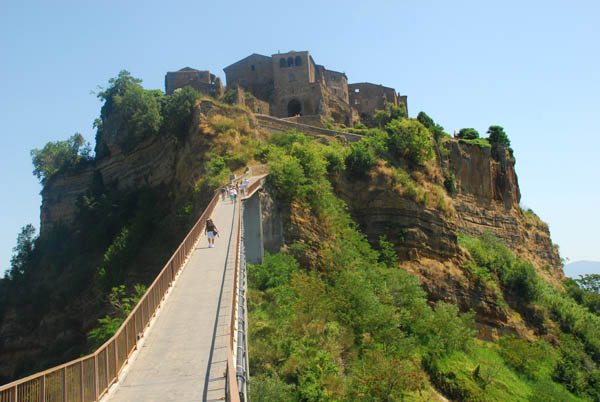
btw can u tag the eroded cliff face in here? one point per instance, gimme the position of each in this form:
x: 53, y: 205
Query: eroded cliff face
x: 425, y: 232
x: 155, y: 161
x: 173, y: 167
x: 426, y: 235
x: 150, y: 164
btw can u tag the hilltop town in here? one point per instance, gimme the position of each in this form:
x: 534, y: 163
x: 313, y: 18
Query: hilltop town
x: 290, y: 85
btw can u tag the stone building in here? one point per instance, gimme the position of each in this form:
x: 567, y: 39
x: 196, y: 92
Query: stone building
x: 202, y: 81
x: 254, y: 74
x: 366, y: 98
x: 291, y: 85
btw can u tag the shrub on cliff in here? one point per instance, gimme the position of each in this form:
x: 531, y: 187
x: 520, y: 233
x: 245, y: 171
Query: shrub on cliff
x: 23, y: 251
x: 396, y: 112
x: 360, y: 160
x: 582, y: 293
x: 122, y: 304
x: 435, y: 129
x: 498, y: 136
x: 409, y: 139
x: 177, y: 111
x: 129, y: 115
x: 59, y: 155
x: 468, y: 134
x: 425, y: 120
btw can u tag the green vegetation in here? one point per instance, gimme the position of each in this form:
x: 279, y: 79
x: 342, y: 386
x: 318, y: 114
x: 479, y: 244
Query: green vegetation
x: 360, y: 160
x: 577, y: 358
x: 335, y: 319
x: 332, y: 316
x: 58, y: 156
x: 177, y: 112
x: 22, y: 253
x: 585, y: 291
x: 436, y: 130
x: 496, y: 135
x: 468, y: 134
x: 229, y: 97
x: 409, y: 139
x: 119, y: 237
x: 122, y: 306
x: 404, y: 141
x: 130, y: 113
x: 480, y: 142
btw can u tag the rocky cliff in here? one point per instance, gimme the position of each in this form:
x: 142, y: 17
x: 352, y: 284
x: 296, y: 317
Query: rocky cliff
x: 64, y: 297
x: 426, y: 231
x: 424, y: 224
x: 155, y: 161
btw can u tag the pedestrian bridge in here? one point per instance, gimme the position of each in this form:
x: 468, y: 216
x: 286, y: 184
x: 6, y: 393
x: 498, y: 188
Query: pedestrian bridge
x: 185, y: 339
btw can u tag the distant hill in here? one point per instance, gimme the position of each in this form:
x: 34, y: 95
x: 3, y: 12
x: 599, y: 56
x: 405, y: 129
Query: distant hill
x: 577, y: 268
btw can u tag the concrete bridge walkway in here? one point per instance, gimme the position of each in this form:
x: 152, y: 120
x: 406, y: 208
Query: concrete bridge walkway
x: 183, y: 357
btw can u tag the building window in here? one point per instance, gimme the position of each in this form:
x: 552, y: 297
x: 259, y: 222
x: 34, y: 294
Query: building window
x: 290, y: 61
x: 252, y: 67
x: 298, y: 61
x: 356, y: 90
x: 282, y: 63
x: 292, y: 77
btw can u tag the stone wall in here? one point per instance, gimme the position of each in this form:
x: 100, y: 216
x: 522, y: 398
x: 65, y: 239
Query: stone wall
x: 202, y: 81
x: 275, y: 125
x: 337, y: 84
x: 292, y: 68
x: 246, y: 98
x: 367, y: 98
x: 298, y: 98
x: 254, y: 74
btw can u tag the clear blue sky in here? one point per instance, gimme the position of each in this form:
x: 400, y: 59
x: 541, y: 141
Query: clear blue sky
x: 531, y: 67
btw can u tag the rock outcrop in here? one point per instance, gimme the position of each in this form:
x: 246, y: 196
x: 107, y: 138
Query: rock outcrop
x: 425, y: 232
x: 426, y: 237
x: 155, y: 161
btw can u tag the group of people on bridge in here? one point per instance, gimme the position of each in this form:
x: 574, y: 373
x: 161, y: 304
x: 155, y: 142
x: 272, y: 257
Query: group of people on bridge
x: 233, y: 189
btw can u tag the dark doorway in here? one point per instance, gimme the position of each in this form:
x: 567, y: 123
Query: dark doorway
x: 294, y: 108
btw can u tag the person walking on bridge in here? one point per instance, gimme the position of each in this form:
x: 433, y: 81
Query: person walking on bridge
x: 211, y: 231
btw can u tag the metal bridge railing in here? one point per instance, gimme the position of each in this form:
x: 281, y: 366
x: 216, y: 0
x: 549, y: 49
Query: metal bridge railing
x: 88, y: 378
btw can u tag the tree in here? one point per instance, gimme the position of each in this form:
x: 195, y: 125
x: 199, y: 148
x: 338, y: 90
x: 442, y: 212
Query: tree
x: 177, y: 111
x: 498, y: 136
x: 468, y: 134
x: 22, y: 252
x: 589, y: 282
x: 129, y: 115
x: 381, y: 118
x: 435, y: 129
x: 58, y: 155
x: 396, y: 112
x: 122, y: 305
x: 360, y: 160
x: 409, y: 139
x: 425, y: 120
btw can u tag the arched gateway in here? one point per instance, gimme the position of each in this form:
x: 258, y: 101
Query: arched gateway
x: 294, y: 108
